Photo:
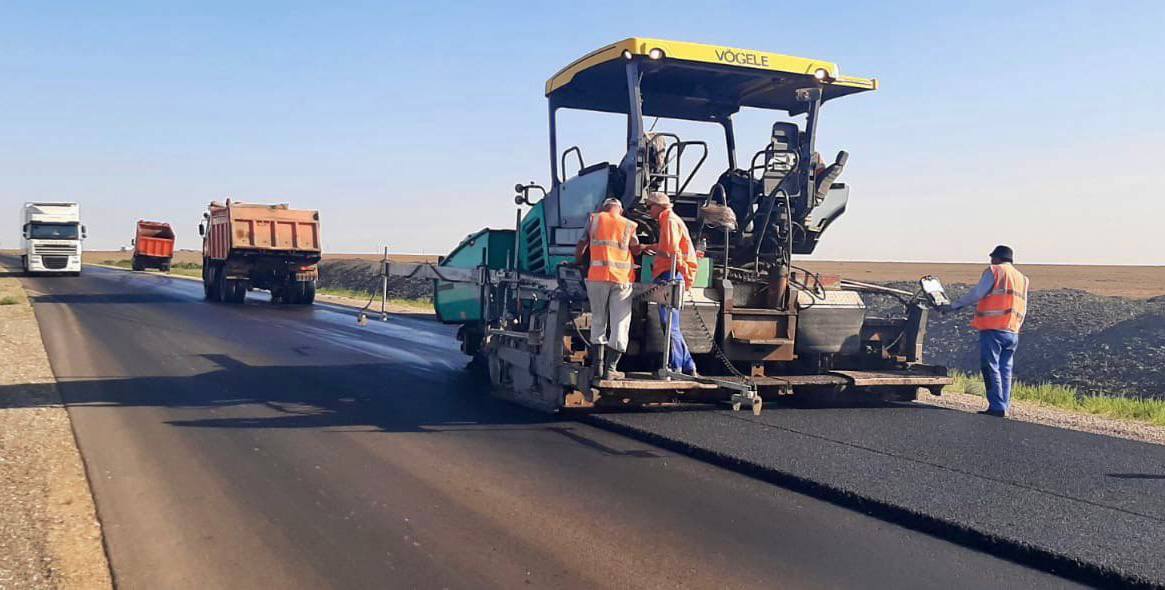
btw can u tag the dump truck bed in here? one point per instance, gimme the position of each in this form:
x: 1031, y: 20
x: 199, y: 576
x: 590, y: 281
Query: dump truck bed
x: 154, y: 239
x: 274, y: 229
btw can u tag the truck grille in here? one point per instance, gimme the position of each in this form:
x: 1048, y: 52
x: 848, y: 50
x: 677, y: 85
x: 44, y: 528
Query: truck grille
x: 55, y: 249
x: 54, y: 262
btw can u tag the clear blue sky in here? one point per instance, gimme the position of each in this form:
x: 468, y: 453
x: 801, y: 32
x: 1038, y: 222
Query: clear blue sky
x: 1034, y: 124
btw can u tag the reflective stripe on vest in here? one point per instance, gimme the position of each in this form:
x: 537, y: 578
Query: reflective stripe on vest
x: 1005, y: 305
x: 612, y: 264
x: 610, y: 239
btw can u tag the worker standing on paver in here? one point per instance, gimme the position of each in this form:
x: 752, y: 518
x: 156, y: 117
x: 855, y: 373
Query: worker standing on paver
x: 674, y: 242
x: 611, y: 240
x: 1000, y: 301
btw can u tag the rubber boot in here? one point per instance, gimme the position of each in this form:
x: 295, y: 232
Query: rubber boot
x: 609, y: 370
x: 597, y: 364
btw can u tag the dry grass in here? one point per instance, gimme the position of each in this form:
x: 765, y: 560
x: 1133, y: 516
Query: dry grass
x: 418, y: 305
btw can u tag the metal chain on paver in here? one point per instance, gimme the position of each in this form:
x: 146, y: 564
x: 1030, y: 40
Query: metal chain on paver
x: 649, y: 292
x: 716, y: 348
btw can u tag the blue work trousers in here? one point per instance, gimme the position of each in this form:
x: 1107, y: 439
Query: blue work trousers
x: 681, y: 358
x: 996, y: 357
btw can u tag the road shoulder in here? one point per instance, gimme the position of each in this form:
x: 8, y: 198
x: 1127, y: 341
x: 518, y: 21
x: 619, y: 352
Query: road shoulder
x: 49, y: 533
x: 1049, y: 416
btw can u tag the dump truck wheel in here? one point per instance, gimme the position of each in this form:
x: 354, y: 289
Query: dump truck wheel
x: 136, y: 264
x: 224, y: 288
x: 164, y: 267
x: 234, y: 290
x: 299, y: 293
x: 306, y: 293
x: 220, y: 285
x: 210, y: 283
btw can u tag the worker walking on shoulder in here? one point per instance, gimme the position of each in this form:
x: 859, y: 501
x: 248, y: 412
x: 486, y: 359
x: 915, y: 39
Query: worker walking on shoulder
x: 1000, y: 301
x: 610, y: 275
x: 674, y: 243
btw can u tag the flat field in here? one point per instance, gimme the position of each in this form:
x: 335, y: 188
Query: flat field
x: 1137, y: 282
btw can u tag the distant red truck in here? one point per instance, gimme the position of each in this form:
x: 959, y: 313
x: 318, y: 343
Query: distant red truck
x: 153, y: 246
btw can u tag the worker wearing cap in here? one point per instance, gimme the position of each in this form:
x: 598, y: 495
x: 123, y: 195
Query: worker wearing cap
x: 674, y: 243
x: 1000, y: 301
x: 610, y: 275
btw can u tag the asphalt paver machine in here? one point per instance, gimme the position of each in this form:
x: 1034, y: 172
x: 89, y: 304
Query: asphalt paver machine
x: 757, y: 324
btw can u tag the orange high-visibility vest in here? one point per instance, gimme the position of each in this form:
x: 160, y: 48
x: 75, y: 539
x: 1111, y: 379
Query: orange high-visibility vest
x: 611, y: 261
x: 674, y: 240
x: 1005, y: 305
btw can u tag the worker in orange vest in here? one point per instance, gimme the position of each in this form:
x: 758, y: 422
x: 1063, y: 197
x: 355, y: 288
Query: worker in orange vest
x: 611, y: 239
x: 1000, y: 301
x: 674, y: 242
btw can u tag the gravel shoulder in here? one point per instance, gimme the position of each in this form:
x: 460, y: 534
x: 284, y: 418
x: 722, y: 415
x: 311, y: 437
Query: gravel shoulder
x: 1049, y: 416
x: 49, y: 533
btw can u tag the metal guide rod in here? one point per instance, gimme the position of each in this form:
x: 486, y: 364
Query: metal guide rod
x: 384, y: 289
x: 664, y: 373
x: 877, y: 288
x: 516, y: 289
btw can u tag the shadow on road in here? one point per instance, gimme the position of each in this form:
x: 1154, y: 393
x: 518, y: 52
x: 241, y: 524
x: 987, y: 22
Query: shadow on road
x: 380, y: 397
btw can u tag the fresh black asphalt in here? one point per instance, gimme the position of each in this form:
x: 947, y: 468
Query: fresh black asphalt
x: 1082, y: 503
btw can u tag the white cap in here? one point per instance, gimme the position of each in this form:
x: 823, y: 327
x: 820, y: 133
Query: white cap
x: 658, y: 198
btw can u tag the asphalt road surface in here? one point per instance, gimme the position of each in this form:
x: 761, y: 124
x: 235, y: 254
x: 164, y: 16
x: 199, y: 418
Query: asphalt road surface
x: 264, y: 446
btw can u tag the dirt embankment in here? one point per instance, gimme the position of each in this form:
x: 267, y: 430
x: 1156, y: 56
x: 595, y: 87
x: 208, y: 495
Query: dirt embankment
x: 363, y: 276
x: 49, y: 534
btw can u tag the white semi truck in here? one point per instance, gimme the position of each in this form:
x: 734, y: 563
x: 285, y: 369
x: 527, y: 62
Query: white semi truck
x: 52, y: 238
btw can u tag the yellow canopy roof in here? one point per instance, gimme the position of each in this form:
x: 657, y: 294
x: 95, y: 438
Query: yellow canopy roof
x: 689, y: 72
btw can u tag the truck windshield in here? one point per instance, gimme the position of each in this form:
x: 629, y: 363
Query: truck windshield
x: 52, y: 231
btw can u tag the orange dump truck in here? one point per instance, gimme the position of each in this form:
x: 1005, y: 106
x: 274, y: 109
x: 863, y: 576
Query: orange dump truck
x: 153, y: 246
x: 248, y: 246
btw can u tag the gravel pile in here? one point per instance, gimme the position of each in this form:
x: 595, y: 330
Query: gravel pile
x: 1095, y: 343
x: 364, y: 277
